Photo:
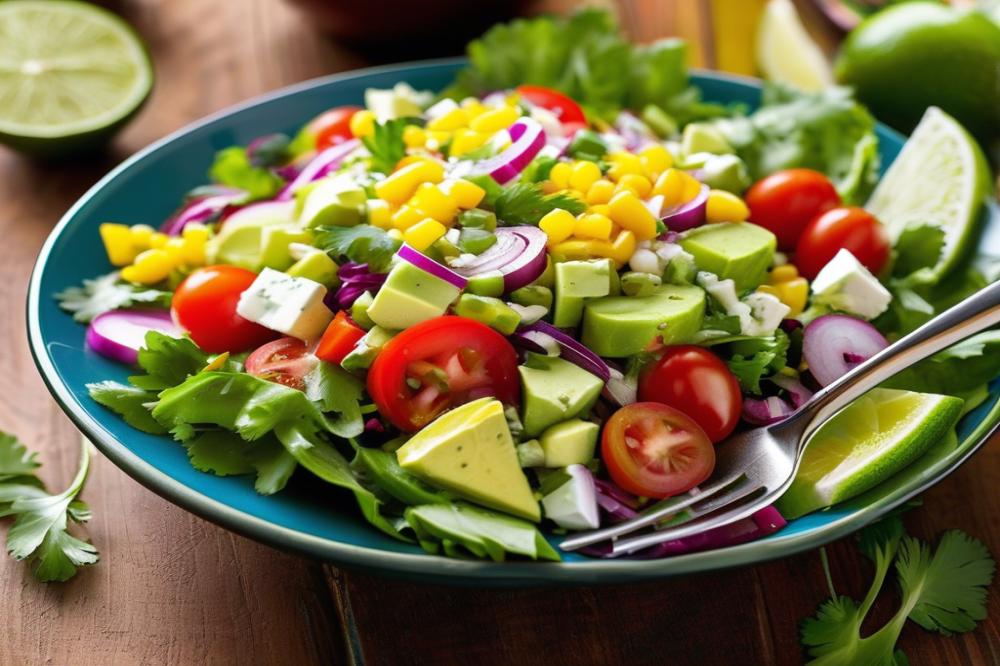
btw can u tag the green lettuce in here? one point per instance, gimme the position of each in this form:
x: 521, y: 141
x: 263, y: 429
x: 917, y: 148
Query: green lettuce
x: 960, y: 369
x: 232, y: 166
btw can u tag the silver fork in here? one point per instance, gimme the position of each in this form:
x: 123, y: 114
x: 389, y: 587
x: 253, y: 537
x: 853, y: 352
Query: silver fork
x: 755, y: 467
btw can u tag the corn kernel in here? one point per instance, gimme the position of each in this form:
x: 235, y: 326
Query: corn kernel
x: 692, y: 188
x: 794, y: 294
x: 495, y: 120
x: 118, y: 243
x: 450, y: 121
x: 175, y: 249
x: 414, y: 137
x: 600, y: 209
x: 600, y: 192
x: 623, y: 248
x: 193, y: 251
x: 158, y: 240
x: 422, y: 234
x: 629, y: 212
x: 548, y: 187
x: 583, y: 175
x: 473, y: 107
x: 593, y: 225
x: 432, y: 202
x: 655, y: 159
x: 150, y: 267
x: 395, y: 234
x: 784, y: 273
x: 463, y: 192
x: 406, y: 217
x: 437, y: 139
x: 466, y: 140
x: 363, y: 123
x: 724, y: 206
x: 141, y: 235
x: 379, y: 213
x: 670, y: 185
x: 403, y: 182
x: 640, y: 185
x: 768, y: 289
x: 580, y: 249
x: 559, y: 175
x: 623, y: 163
x: 558, y: 225
x: 195, y: 232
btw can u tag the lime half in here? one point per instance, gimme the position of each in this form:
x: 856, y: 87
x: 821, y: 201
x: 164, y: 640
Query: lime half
x: 875, y: 437
x: 785, y: 51
x: 940, y: 179
x: 71, y: 74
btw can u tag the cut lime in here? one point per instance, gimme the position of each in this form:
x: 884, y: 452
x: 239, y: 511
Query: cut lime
x: 71, y: 74
x: 875, y: 437
x: 940, y: 179
x: 785, y: 51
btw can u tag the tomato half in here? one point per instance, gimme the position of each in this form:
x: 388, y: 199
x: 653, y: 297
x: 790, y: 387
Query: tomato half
x: 697, y: 382
x: 854, y: 229
x: 787, y: 201
x: 283, y: 361
x: 205, y: 306
x: 654, y: 450
x: 333, y: 126
x: 438, y: 364
x: 569, y: 112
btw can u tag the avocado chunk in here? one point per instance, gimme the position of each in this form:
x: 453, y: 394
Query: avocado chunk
x: 366, y: 349
x: 334, y: 201
x: 491, y: 311
x: 554, y: 390
x: 359, y: 310
x: 569, y: 443
x: 738, y: 250
x: 619, y: 326
x: 530, y: 454
x: 575, y: 281
x: 704, y: 138
x: 410, y: 296
x: 470, y: 452
x: 274, y: 246
x: 241, y: 241
x: 318, y: 267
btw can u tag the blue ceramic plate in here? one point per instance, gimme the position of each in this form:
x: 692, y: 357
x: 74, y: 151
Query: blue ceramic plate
x: 326, y: 525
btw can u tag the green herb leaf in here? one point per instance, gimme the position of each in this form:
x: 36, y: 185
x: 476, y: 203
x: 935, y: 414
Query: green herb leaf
x: 224, y: 453
x: 271, y: 151
x: 960, y: 368
x: 363, y: 244
x: 524, y: 203
x: 233, y: 167
x: 338, y: 392
x: 15, y: 459
x: 386, y: 144
x: 131, y: 403
x: 754, y: 358
x: 107, y: 293
x: 168, y: 361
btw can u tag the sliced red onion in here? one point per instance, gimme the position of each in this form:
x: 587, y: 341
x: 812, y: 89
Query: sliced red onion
x: 540, y: 343
x: 374, y: 425
x: 797, y: 392
x: 528, y: 138
x: 834, y: 344
x: 633, y: 131
x: 201, y: 209
x: 262, y: 212
x: 428, y: 265
x: 120, y: 334
x: 572, y: 349
x: 654, y: 205
x: 687, y: 215
x: 321, y: 165
x: 765, y: 411
x: 519, y: 254
x: 790, y: 325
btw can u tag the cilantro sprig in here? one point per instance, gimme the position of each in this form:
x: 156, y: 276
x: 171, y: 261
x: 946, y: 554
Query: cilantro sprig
x: 106, y: 293
x: 524, y: 203
x: 386, y: 144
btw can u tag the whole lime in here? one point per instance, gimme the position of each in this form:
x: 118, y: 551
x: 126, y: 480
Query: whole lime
x: 920, y: 54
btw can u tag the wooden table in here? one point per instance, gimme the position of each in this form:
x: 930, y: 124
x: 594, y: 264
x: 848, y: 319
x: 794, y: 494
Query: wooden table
x: 174, y: 589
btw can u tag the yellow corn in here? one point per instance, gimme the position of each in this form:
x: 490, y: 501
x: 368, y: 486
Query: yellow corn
x: 783, y: 273
x: 601, y: 209
x: 403, y: 182
x: 414, y: 137
x: 158, y: 240
x: 363, y: 123
x: 560, y: 173
x: 593, y: 225
x: 580, y: 249
x: 624, y: 163
x: 406, y: 216
x: 670, y: 185
x: 623, y: 248
x: 794, y: 294
x: 548, y: 187
x: 141, y: 235
x: 437, y: 138
x: 193, y: 251
x: 423, y: 233
x: 466, y: 140
x: 629, y: 212
x: 558, y: 225
x: 465, y: 193
x: 640, y: 185
x: 450, y: 121
x: 118, y: 243
x: 473, y: 107
x: 725, y: 207
x: 150, y: 267
x: 395, y: 233
x: 174, y: 247
x: 432, y: 202
x: 584, y: 174
x: 379, y: 213
x: 768, y: 289
x: 196, y: 232
x: 692, y: 188
x: 600, y: 192
x: 495, y: 120
x: 655, y: 159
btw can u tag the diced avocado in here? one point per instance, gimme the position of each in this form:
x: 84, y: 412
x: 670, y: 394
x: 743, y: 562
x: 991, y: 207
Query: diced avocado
x: 476, y: 241
x: 477, y: 218
x: 274, y: 242
x: 640, y: 284
x: 573, y: 504
x: 704, y: 138
x: 400, y: 101
x: 334, y: 201
x: 575, y: 281
x: 366, y: 349
x: 383, y: 469
x: 410, y: 296
x: 487, y: 284
x: 725, y: 172
x: 548, y: 276
x: 491, y: 311
x: 359, y: 310
x: 567, y: 311
x: 554, y: 390
x: 469, y: 451
x: 568, y: 443
x: 659, y: 121
x: 619, y: 326
x: 240, y: 241
x: 532, y: 295
x: 316, y: 266
x: 738, y: 250
x: 530, y: 454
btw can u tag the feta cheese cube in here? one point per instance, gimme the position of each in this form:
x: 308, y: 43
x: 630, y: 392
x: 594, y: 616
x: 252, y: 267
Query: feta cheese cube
x: 759, y: 314
x: 845, y: 284
x: 290, y: 305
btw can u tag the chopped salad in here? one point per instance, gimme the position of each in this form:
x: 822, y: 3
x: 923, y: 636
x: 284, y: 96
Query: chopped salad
x: 508, y: 308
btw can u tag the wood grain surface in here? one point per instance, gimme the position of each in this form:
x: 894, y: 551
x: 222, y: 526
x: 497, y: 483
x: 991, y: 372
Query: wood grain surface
x: 174, y: 589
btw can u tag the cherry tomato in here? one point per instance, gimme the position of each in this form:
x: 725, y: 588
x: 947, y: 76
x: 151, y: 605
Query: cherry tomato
x: 205, y: 306
x: 569, y: 112
x: 695, y: 381
x: 283, y: 361
x: 333, y: 126
x: 787, y: 201
x: 438, y: 364
x: 654, y: 450
x: 854, y: 229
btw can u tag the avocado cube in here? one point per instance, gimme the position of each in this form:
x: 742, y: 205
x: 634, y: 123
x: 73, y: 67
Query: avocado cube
x: 704, y: 138
x: 568, y: 443
x: 318, y: 267
x: 491, y: 311
x: 335, y: 201
x: 274, y: 242
x: 586, y: 279
x: 555, y: 390
x: 410, y: 296
x: 738, y: 250
x: 620, y: 326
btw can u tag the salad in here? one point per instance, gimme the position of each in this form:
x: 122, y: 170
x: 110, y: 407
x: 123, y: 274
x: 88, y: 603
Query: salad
x: 513, y: 308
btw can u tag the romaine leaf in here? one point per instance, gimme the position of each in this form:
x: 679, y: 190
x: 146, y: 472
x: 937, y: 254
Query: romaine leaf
x: 363, y: 244
x: 168, y: 361
x: 107, y: 293
x: 131, y: 403
x: 338, y: 392
x: 958, y: 369
x: 224, y: 453
x: 381, y: 469
x: 233, y: 167
x: 466, y: 529
x: 751, y: 358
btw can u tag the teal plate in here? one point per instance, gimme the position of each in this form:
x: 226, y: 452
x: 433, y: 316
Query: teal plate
x: 308, y: 517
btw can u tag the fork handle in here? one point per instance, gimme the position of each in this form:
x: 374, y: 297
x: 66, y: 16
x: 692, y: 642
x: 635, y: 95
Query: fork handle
x: 974, y: 314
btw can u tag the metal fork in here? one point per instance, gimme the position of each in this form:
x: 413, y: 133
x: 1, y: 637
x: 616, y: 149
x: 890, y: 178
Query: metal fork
x: 755, y: 467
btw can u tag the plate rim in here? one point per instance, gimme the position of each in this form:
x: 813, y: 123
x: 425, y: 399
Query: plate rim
x: 439, y: 568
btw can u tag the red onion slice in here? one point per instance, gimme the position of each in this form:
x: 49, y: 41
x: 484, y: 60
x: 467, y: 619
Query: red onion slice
x: 572, y: 349
x: 321, y: 165
x: 519, y: 255
x: 428, y: 265
x: 687, y: 215
x: 528, y: 138
x: 201, y: 209
x: 120, y: 334
x: 834, y: 344
x: 765, y: 411
x: 263, y: 212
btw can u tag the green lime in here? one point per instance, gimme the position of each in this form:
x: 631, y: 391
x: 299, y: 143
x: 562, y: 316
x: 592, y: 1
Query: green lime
x: 785, y: 51
x: 875, y: 437
x: 918, y: 54
x: 71, y: 74
x: 941, y: 179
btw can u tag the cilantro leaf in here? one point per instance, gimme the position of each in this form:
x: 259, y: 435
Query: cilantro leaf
x: 131, y: 403
x: 386, y: 144
x: 918, y: 247
x: 106, y: 293
x: 15, y: 459
x: 524, y: 203
x: 958, y: 369
x: 233, y: 167
x: 363, y: 244
x: 168, y: 361
x: 754, y: 358
x: 224, y: 453
x: 337, y: 391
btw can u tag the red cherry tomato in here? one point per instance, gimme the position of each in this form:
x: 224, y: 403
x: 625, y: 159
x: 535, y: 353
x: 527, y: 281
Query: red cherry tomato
x: 333, y: 126
x: 205, y: 306
x: 654, y: 450
x: 569, y: 112
x: 284, y: 361
x: 438, y: 364
x: 695, y: 381
x: 787, y: 201
x: 854, y: 229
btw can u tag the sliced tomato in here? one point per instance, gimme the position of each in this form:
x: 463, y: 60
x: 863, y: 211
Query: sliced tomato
x: 568, y: 112
x: 786, y: 201
x: 339, y: 339
x: 205, y: 306
x: 284, y: 361
x: 853, y: 229
x: 333, y: 126
x: 438, y: 364
x: 654, y: 450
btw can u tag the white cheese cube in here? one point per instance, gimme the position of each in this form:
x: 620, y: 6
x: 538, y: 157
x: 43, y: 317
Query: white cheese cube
x: 759, y: 314
x: 573, y: 505
x: 290, y: 305
x: 845, y: 284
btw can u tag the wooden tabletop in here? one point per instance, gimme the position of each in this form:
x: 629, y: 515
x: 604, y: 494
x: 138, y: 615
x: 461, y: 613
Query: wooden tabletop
x: 174, y: 589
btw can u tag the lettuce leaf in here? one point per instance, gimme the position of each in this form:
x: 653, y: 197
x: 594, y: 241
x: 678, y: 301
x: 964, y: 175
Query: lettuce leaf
x: 959, y: 369
x: 233, y: 167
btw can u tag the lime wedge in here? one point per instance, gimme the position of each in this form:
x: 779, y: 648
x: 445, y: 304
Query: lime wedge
x: 875, y: 437
x: 940, y: 178
x: 71, y: 74
x: 785, y: 51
